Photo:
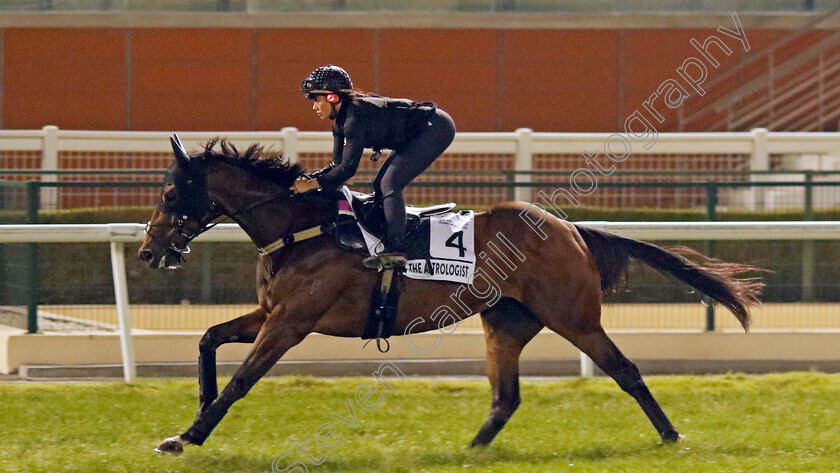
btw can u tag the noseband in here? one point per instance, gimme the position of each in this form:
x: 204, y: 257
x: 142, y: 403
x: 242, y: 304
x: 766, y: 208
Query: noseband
x: 181, y: 225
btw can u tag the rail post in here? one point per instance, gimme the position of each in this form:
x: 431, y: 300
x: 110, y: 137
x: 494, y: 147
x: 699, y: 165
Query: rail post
x: 524, y: 162
x: 510, y: 178
x: 808, y: 245
x: 711, y: 246
x: 759, y: 161
x: 121, y: 296
x: 49, y: 162
x: 290, y: 143
x: 587, y: 366
x: 33, y: 289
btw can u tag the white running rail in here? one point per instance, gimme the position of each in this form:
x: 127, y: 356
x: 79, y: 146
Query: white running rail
x: 118, y: 234
x: 756, y: 146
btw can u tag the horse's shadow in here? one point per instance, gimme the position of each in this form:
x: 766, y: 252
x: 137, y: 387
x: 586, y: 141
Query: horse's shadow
x: 456, y: 457
x: 489, y: 456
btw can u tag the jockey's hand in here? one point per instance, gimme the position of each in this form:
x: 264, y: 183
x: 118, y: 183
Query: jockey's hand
x: 305, y: 185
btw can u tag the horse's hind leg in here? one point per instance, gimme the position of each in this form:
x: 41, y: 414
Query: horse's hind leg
x: 243, y: 329
x: 569, y: 302
x: 508, y: 327
x: 598, y: 346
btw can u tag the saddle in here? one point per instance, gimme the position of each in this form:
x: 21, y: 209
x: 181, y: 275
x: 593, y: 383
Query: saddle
x: 367, y: 210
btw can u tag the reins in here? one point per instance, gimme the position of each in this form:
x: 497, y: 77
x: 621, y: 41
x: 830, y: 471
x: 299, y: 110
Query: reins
x: 287, y: 239
x: 258, y: 203
x: 302, y: 235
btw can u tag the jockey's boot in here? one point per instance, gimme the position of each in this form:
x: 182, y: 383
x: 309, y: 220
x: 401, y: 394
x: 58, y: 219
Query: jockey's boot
x: 394, y: 255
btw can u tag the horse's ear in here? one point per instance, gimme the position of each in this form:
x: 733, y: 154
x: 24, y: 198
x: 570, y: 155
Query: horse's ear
x: 181, y: 155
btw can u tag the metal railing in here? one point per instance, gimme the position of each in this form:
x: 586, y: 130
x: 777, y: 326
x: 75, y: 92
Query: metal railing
x: 798, y: 188
x: 24, y: 263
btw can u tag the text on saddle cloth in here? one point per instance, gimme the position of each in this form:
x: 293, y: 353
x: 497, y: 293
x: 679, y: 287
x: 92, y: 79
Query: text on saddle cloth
x: 442, y: 250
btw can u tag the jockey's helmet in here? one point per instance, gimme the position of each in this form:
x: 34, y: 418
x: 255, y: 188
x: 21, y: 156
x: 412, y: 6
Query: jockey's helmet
x: 327, y: 80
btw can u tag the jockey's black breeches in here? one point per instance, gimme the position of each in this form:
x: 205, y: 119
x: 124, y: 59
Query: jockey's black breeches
x: 403, y: 166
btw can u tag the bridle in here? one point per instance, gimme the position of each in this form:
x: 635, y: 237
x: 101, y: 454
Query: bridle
x: 181, y: 223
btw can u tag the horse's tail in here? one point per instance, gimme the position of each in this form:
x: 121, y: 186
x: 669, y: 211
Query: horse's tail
x: 717, y: 279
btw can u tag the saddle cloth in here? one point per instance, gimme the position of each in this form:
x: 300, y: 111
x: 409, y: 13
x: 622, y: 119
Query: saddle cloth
x: 440, y: 244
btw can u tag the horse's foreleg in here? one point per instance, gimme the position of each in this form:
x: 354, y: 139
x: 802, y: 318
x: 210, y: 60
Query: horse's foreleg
x: 242, y: 329
x: 272, y: 342
x: 508, y: 327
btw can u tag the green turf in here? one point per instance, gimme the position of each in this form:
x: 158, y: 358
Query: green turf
x: 733, y: 423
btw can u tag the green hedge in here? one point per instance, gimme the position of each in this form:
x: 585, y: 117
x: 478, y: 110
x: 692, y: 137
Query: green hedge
x: 688, y: 215
x: 141, y: 214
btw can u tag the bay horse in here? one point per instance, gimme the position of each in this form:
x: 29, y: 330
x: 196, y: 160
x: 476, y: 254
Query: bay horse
x: 314, y: 286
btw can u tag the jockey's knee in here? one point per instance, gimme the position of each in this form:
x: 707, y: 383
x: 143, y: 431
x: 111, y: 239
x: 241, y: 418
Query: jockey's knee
x: 391, y: 190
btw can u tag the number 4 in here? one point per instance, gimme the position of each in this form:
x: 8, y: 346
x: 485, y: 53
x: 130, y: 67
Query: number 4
x: 457, y: 241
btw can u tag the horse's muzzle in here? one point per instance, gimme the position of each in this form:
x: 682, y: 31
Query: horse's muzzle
x: 145, y: 255
x: 165, y: 258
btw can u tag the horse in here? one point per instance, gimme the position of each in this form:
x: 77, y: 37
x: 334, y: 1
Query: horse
x: 554, y: 280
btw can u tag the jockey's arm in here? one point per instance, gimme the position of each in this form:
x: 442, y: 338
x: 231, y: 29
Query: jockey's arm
x: 346, y: 159
x: 338, y: 147
x: 320, y: 172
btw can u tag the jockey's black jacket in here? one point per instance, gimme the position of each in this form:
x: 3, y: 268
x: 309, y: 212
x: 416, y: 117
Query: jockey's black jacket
x: 371, y: 122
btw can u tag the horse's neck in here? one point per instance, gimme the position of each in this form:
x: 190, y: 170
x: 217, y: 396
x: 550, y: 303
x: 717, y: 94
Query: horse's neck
x: 310, y: 210
x: 235, y: 189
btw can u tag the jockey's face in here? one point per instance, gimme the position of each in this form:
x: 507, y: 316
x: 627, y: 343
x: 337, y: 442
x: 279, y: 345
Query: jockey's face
x: 322, y: 107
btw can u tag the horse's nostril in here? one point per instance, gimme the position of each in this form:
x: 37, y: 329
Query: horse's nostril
x: 145, y: 255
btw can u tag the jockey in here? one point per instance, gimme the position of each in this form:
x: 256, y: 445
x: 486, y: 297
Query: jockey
x: 417, y: 134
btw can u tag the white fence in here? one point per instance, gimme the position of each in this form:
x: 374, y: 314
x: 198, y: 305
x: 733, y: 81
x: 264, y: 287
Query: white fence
x: 51, y: 149
x: 119, y: 234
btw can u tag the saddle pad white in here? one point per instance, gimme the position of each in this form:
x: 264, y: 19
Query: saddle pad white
x: 451, y: 252
x: 451, y: 249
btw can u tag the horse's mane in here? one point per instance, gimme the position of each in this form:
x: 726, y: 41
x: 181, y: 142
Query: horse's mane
x: 257, y: 159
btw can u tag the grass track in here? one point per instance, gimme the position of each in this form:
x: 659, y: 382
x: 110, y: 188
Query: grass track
x: 732, y: 423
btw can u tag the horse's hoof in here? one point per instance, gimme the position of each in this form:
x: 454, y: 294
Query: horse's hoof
x: 672, y: 437
x: 480, y: 442
x: 172, y: 445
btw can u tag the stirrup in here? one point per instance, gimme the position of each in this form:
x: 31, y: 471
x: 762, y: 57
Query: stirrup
x: 385, y: 261
x: 383, y: 309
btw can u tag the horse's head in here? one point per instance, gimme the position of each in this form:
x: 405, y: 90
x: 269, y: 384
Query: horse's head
x: 183, y: 212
